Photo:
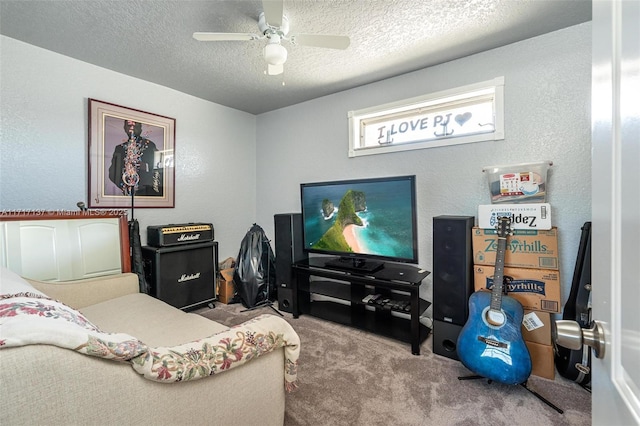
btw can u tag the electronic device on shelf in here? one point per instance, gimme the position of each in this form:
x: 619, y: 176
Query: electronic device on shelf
x: 364, y: 222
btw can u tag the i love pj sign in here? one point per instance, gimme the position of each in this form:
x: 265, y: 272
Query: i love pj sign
x: 419, y: 126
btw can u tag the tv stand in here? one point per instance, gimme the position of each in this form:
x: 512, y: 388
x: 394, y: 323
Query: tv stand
x: 354, y: 264
x: 349, y: 298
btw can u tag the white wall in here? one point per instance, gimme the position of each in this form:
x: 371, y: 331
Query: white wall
x: 547, y: 117
x: 227, y: 177
x: 44, y: 138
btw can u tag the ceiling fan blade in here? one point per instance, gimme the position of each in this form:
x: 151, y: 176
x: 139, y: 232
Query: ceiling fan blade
x: 224, y: 36
x: 321, y: 40
x: 275, y: 69
x: 273, y: 10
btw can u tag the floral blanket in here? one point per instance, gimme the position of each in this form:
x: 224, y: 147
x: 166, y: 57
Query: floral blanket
x: 223, y: 351
x: 28, y: 318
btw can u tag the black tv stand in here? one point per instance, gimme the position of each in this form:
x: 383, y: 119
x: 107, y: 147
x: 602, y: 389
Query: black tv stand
x: 345, y: 297
x: 354, y: 264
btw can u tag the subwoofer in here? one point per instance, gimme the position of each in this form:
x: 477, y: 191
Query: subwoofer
x: 285, y: 299
x: 445, y: 339
x: 452, y: 280
x: 182, y: 276
x: 289, y: 249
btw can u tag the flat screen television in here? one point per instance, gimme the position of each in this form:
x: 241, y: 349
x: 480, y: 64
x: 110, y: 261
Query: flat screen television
x: 364, y: 222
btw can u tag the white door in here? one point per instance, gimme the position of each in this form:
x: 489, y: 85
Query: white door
x: 616, y: 209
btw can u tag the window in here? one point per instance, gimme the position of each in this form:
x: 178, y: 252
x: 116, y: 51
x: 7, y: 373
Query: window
x: 466, y: 114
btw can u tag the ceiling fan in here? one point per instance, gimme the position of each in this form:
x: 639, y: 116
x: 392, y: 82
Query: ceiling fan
x: 274, y: 27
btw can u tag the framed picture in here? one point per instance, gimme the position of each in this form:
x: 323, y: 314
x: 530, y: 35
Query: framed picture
x: 131, y: 157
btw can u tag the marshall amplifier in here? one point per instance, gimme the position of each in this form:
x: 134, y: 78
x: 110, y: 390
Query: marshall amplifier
x: 173, y: 235
x: 182, y: 276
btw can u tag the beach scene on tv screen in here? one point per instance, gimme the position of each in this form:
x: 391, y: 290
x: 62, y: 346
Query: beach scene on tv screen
x: 362, y: 218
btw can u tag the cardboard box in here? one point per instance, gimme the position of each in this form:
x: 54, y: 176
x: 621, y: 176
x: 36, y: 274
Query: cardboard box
x: 226, y: 288
x: 536, y: 249
x: 542, y: 360
x: 535, y: 289
x: 523, y: 216
x: 536, y: 327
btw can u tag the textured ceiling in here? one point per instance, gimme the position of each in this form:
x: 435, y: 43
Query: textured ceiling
x: 152, y: 40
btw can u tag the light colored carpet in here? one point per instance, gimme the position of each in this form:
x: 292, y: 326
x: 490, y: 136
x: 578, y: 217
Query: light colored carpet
x: 351, y: 377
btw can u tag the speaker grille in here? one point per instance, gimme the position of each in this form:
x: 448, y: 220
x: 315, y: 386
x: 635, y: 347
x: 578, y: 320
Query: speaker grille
x: 182, y: 276
x: 452, y: 268
x: 288, y: 230
x: 288, y: 238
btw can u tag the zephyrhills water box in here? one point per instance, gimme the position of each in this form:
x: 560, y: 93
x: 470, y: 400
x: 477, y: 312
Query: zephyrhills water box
x: 535, y: 289
x: 523, y: 216
x: 525, y: 248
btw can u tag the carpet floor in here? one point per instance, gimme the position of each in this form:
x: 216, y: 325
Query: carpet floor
x: 351, y: 377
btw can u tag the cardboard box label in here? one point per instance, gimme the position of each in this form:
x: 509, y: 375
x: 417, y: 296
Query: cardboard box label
x: 535, y: 289
x: 532, y: 322
x: 536, y: 327
x: 525, y: 248
x: 523, y: 216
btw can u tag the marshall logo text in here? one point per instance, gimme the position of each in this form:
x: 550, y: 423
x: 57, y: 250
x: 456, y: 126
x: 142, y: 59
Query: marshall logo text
x: 189, y: 277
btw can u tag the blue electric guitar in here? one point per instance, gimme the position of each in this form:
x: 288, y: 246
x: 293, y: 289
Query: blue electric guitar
x: 490, y: 343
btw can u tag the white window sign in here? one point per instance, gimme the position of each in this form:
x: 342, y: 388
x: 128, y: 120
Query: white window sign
x: 466, y: 114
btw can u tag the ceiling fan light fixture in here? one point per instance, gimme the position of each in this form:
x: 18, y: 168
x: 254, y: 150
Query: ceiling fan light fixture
x: 275, y: 54
x: 274, y: 27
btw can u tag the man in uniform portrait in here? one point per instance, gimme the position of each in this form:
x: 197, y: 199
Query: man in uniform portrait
x: 136, y: 164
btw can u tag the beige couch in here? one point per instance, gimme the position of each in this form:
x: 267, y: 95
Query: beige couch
x: 45, y: 384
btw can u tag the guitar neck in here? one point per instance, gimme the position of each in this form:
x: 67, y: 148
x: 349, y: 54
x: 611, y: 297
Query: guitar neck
x: 498, y: 275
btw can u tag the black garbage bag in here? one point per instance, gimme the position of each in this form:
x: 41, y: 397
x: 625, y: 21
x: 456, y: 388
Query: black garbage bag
x: 254, y: 276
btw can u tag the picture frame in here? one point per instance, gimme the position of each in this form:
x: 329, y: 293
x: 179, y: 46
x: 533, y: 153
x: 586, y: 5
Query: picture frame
x: 131, y: 157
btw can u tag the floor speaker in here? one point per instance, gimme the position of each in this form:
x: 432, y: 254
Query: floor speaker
x: 285, y: 299
x: 452, y: 268
x: 184, y: 275
x: 289, y: 249
x: 445, y: 339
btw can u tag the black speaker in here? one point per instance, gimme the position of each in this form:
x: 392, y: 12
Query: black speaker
x: 182, y: 276
x: 452, y: 268
x: 285, y: 299
x: 288, y: 242
x: 445, y: 339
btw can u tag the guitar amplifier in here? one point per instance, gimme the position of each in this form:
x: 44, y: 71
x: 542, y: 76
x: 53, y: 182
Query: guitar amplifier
x: 183, y: 276
x: 173, y: 235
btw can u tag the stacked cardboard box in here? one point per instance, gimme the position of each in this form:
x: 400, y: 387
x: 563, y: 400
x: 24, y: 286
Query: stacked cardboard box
x: 530, y: 266
x: 537, y: 289
x: 536, y: 331
x: 226, y: 289
x: 532, y: 277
